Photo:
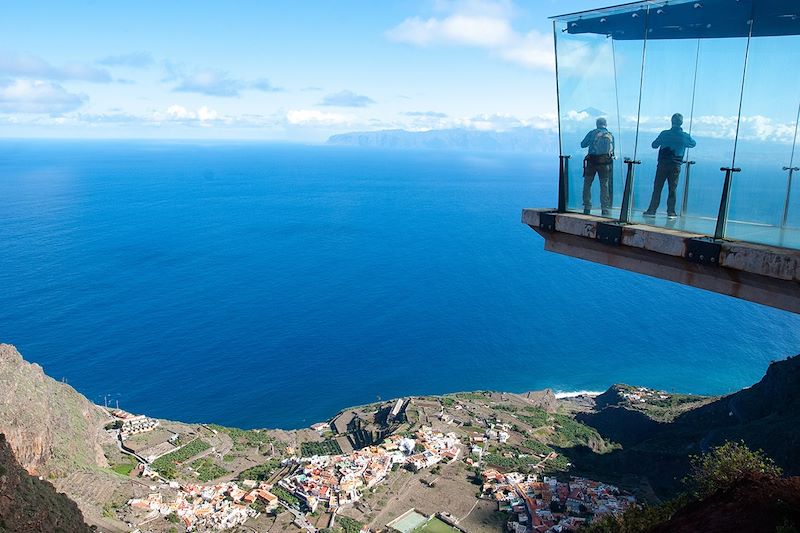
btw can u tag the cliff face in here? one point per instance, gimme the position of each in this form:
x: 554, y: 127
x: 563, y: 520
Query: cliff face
x: 29, y: 504
x: 756, y: 505
x: 49, y: 425
x: 765, y: 416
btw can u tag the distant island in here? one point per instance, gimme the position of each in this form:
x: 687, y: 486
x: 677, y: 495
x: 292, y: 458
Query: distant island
x: 528, y: 140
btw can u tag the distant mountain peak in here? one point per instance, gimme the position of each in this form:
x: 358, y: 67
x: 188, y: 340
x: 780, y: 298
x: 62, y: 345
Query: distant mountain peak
x: 594, y: 112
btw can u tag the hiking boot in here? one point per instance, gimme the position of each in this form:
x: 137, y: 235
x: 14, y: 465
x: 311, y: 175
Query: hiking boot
x: 648, y: 214
x: 672, y: 216
x: 587, y: 211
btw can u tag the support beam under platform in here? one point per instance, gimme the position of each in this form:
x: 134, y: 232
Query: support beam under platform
x: 762, y: 274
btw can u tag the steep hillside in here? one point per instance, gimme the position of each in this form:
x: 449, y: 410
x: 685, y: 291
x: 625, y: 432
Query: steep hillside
x: 29, y: 504
x: 756, y: 505
x: 51, y: 428
x: 765, y: 416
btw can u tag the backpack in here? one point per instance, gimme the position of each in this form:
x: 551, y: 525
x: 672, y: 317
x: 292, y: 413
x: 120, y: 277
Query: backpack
x: 603, y: 143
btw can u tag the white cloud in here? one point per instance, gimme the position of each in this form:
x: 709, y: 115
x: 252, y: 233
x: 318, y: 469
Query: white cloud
x: 483, y: 122
x: 456, y: 29
x: 576, y: 115
x: 210, y: 82
x: 213, y: 82
x: 28, y: 96
x: 486, y: 25
x: 751, y: 127
x: 202, y: 116
x: 30, y: 66
x: 298, y: 117
x: 347, y: 99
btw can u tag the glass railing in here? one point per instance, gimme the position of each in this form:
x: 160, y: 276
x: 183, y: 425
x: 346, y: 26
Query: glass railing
x: 684, y: 115
x: 764, y: 201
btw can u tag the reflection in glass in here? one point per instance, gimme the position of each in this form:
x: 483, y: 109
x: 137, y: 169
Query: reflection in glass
x: 595, y: 74
x: 730, y: 68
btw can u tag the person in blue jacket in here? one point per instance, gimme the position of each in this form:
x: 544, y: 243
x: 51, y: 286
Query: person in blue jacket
x: 672, y: 145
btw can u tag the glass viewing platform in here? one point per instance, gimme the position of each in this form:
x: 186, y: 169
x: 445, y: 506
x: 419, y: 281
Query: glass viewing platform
x: 683, y: 115
x: 731, y: 68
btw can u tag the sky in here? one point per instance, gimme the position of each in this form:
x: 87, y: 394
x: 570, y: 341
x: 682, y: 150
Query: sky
x: 283, y: 71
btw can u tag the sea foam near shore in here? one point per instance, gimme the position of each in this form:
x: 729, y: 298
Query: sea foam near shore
x: 575, y: 394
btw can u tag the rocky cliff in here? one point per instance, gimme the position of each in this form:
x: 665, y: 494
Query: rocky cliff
x: 758, y: 504
x: 29, y: 504
x: 51, y: 428
x: 765, y: 416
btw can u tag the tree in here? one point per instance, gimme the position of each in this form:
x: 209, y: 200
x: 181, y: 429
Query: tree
x: 725, y: 465
x: 718, y: 469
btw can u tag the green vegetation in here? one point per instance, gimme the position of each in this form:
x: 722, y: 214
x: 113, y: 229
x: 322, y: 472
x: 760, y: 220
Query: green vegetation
x: 725, y: 465
x: 173, y: 518
x: 261, y: 472
x: 471, y: 395
x: 637, y: 519
x: 165, y: 465
x: 506, y: 407
x: 245, y: 439
x: 447, y: 401
x: 536, y: 417
x: 108, y: 510
x: 514, y: 463
x: 124, y: 469
x: 559, y: 464
x: 207, y: 469
x: 348, y: 525
x: 537, y: 447
x: 286, y: 496
x: 228, y: 458
x: 326, y: 447
x: 717, y: 470
x: 666, y: 409
x: 570, y: 432
x: 434, y: 525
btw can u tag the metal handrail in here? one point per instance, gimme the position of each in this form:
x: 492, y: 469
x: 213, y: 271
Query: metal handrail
x: 725, y: 202
x: 627, y: 201
x: 685, y: 199
x: 791, y: 170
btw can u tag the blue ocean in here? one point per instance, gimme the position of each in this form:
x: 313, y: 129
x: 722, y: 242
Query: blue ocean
x: 269, y: 285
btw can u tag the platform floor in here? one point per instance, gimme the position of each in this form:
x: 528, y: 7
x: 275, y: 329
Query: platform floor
x: 752, y: 270
x: 736, y: 230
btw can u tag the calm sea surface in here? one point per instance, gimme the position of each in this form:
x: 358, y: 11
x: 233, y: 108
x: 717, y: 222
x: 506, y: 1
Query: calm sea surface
x: 272, y: 285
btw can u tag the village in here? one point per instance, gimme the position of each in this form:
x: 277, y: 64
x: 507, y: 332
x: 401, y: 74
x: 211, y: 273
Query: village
x: 317, y: 484
x: 550, y: 506
x: 331, y: 481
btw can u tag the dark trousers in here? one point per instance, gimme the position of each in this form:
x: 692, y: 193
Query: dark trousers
x: 665, y: 172
x: 603, y: 171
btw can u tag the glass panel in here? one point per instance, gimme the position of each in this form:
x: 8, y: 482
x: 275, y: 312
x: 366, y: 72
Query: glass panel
x: 792, y: 223
x: 591, y: 67
x: 700, y: 79
x: 629, y: 55
x: 759, y: 211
